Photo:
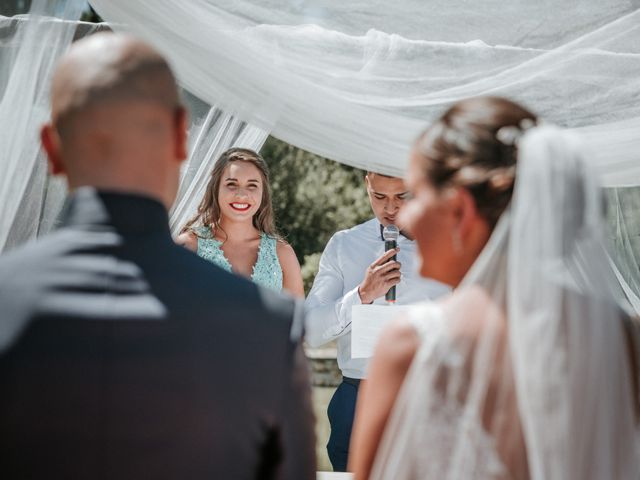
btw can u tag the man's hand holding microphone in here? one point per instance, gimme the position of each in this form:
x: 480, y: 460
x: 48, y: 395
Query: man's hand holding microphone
x: 383, y: 274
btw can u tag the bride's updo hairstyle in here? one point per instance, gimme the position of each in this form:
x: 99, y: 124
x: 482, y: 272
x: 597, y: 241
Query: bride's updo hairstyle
x: 474, y: 145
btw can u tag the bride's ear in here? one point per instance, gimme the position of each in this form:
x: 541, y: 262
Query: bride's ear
x: 464, y: 211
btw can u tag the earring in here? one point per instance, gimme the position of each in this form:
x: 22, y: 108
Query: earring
x: 456, y: 241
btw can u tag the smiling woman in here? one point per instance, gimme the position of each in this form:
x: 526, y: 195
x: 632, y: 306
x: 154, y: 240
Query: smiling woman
x: 234, y: 226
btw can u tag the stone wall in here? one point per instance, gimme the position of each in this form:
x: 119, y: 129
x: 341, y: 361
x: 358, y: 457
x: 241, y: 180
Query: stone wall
x: 324, y: 367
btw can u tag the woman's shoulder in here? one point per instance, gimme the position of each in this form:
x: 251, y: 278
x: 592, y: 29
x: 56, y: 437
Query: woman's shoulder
x: 402, y: 341
x: 425, y: 317
x: 462, y: 316
x: 188, y: 240
x: 283, y: 247
x: 286, y: 253
x: 470, y: 311
x: 192, y: 236
x: 203, y: 231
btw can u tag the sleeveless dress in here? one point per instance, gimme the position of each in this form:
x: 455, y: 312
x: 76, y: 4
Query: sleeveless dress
x: 267, y: 271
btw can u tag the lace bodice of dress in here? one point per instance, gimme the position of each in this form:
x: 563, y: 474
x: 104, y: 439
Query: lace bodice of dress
x: 429, y: 434
x: 266, y: 271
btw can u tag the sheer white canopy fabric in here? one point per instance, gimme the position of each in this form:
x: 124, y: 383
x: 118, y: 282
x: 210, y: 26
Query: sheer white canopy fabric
x: 30, y: 199
x: 28, y: 54
x: 624, y: 240
x: 356, y: 81
x: 538, y: 362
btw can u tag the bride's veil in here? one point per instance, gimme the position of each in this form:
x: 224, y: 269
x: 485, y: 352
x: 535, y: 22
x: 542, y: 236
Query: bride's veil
x: 534, y: 378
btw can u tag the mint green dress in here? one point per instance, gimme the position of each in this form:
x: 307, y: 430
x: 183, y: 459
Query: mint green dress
x: 266, y: 271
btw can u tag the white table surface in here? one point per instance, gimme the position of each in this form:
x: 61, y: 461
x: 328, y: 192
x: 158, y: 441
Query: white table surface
x: 334, y: 476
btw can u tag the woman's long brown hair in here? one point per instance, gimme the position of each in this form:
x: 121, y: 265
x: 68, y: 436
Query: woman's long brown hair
x: 208, y: 213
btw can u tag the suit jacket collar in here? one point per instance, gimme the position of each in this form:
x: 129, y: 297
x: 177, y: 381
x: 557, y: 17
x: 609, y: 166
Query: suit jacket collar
x: 92, y: 209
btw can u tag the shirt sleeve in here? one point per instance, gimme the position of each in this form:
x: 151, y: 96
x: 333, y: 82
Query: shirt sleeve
x: 328, y: 308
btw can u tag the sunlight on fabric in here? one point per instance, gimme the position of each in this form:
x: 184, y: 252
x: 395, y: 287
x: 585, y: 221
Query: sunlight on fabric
x: 28, y: 54
x: 356, y: 82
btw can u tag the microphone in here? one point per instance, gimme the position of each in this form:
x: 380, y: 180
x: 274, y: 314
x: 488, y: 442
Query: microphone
x: 390, y: 235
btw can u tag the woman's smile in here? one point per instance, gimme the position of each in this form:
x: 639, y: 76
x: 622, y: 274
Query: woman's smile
x: 241, y: 207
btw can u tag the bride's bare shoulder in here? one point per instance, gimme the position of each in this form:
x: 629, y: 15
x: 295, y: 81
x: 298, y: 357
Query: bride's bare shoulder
x: 471, y: 310
x: 401, y: 341
x: 402, y: 334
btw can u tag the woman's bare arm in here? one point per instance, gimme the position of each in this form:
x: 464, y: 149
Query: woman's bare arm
x: 188, y: 240
x: 291, y: 274
x: 392, y: 358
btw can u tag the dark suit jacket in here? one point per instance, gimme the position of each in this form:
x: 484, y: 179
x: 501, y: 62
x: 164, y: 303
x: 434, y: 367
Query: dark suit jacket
x: 125, y: 356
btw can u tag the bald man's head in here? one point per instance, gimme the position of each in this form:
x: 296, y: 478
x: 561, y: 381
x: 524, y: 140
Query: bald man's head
x: 116, y: 118
x: 108, y: 68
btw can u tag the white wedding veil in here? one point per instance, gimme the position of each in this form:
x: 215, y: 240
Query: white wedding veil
x: 537, y: 380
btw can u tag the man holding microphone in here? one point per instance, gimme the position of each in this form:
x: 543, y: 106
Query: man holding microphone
x: 355, y: 269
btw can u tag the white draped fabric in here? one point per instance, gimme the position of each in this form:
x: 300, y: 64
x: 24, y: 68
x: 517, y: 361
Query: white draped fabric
x: 28, y: 54
x: 355, y: 81
x: 30, y: 199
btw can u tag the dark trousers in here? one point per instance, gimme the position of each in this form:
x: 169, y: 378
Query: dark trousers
x: 341, y: 411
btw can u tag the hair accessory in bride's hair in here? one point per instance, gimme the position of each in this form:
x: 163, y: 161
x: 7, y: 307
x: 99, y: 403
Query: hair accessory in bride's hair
x: 502, y: 178
x: 499, y: 179
x: 510, y: 135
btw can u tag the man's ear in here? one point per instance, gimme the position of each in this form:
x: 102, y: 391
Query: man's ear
x: 51, y: 144
x: 181, y: 128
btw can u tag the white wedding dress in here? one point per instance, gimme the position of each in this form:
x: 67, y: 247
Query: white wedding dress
x: 544, y: 388
x: 436, y: 415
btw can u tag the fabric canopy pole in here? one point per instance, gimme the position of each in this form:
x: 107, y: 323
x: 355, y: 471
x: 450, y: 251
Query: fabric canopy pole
x: 356, y: 82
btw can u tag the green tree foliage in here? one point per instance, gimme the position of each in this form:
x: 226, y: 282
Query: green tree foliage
x: 90, y: 15
x: 313, y: 198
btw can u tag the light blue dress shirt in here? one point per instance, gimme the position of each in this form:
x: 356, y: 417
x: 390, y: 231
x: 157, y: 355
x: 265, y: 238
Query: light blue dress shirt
x: 335, y: 289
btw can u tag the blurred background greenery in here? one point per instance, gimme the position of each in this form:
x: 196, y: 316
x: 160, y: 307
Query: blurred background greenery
x: 313, y: 198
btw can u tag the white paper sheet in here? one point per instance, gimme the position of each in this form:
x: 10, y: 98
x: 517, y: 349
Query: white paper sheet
x: 367, y: 322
